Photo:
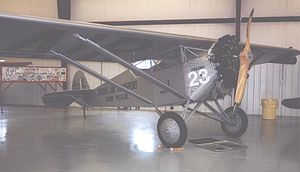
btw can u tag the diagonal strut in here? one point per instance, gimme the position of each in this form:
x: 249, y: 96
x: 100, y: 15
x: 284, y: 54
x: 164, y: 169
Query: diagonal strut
x: 121, y: 61
x: 99, y: 76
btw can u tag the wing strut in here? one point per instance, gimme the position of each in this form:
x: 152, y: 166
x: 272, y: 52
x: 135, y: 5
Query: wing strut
x: 121, y: 61
x: 99, y: 76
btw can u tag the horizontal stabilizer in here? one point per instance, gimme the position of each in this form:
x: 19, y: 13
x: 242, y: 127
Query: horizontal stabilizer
x: 64, y: 98
x: 293, y: 103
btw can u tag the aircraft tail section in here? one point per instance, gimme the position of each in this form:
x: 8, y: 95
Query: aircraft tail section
x: 64, y: 98
x: 80, y: 94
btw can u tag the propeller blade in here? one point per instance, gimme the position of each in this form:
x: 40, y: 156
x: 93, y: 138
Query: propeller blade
x: 244, y: 65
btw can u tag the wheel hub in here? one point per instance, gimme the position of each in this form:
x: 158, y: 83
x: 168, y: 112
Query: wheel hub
x: 235, y: 123
x: 170, y: 131
x: 233, y: 120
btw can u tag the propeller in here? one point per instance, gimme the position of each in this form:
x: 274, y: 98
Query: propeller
x: 244, y: 66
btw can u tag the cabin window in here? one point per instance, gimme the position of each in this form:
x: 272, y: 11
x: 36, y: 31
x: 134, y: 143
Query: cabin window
x: 146, y: 64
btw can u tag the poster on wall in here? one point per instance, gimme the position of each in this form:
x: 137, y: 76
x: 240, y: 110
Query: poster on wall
x: 34, y: 74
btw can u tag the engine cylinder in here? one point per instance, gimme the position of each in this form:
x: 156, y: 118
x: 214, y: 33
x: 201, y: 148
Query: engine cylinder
x: 225, y: 55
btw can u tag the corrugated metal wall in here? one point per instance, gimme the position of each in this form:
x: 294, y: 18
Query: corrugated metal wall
x: 28, y: 93
x: 31, y: 93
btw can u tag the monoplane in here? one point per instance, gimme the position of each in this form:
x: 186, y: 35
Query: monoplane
x: 186, y: 71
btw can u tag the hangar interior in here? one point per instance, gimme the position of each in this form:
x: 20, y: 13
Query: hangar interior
x: 110, y: 140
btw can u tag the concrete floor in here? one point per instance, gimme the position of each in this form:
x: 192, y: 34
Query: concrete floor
x: 37, y: 139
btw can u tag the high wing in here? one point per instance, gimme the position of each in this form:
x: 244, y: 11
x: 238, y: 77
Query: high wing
x: 35, y: 37
x: 23, y: 36
x: 293, y: 103
x: 267, y: 54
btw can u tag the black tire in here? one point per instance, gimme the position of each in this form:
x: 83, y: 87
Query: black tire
x: 240, y: 124
x: 172, y: 130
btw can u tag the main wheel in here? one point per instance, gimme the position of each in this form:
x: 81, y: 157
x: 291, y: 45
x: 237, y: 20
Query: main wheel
x: 172, y: 130
x: 238, y: 125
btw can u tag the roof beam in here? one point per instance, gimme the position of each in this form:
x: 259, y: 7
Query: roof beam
x: 273, y: 19
x: 64, y: 12
x: 168, y: 22
x: 201, y: 21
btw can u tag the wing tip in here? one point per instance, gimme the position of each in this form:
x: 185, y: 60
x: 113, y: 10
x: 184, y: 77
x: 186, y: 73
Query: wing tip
x: 293, y: 103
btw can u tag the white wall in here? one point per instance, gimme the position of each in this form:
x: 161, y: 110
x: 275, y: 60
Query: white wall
x: 107, y: 10
x: 122, y: 10
x: 41, y: 8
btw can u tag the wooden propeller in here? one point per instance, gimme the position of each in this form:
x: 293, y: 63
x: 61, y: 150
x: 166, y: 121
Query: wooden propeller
x: 244, y: 65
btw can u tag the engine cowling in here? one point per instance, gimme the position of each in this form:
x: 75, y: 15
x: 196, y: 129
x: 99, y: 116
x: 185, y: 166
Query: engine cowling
x: 225, y: 55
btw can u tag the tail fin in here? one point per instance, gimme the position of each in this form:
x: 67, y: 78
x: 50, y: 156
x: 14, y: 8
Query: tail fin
x: 80, y: 81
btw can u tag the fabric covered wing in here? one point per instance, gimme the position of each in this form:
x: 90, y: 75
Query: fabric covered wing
x: 293, y: 103
x: 267, y: 54
x: 23, y: 36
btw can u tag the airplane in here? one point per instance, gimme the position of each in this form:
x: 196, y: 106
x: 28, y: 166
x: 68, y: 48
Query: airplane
x: 187, y: 71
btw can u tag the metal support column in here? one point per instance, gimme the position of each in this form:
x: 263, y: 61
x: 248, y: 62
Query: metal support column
x: 84, y: 106
x: 99, y: 76
x: 84, y: 111
x: 64, y: 9
x: 121, y: 61
x: 238, y: 7
x: 1, y: 93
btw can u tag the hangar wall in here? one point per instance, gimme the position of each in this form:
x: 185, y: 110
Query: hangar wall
x: 31, y: 93
x: 265, y: 81
x: 28, y: 93
x: 269, y: 80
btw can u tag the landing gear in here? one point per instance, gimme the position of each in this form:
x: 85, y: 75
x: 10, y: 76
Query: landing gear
x: 172, y: 130
x: 238, y: 123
